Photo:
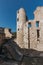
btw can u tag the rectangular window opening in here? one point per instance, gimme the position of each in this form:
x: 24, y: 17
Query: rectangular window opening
x: 37, y: 23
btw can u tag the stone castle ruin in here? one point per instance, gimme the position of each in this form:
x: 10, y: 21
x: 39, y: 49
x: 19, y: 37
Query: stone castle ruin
x: 30, y: 32
x: 27, y: 47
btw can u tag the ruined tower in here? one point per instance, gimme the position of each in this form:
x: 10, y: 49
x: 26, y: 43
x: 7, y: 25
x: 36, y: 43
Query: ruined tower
x: 21, y: 19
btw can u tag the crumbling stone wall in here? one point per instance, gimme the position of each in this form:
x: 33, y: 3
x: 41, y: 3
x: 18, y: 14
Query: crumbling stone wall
x: 7, y: 33
x: 31, y: 37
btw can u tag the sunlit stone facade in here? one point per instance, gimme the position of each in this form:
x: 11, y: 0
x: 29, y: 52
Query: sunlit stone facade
x: 30, y: 32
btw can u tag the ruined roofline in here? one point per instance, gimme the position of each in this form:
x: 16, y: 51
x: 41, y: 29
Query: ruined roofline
x: 37, y: 9
x: 21, y: 10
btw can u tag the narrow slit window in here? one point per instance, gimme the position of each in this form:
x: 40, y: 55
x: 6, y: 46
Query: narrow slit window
x: 37, y: 33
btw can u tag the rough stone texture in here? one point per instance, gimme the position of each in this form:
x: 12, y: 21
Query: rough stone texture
x: 33, y: 35
x: 7, y: 33
x: 21, y: 18
x: 27, y: 37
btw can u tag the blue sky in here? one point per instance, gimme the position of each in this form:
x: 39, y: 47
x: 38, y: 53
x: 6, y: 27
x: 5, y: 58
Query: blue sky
x: 8, y: 10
